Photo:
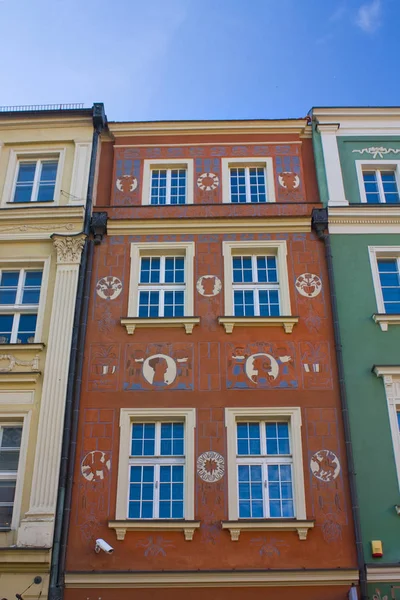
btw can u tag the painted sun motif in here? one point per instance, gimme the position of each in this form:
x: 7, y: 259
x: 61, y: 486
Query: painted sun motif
x: 210, y: 466
x: 95, y: 466
x: 308, y: 285
x: 208, y: 181
x: 127, y: 183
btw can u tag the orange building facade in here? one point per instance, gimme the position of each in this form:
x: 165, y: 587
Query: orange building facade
x: 210, y: 449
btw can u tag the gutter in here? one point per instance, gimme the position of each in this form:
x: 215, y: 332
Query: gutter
x: 319, y: 222
x: 72, y: 403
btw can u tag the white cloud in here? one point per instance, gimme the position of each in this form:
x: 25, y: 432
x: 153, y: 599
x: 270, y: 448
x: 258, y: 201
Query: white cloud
x: 369, y: 16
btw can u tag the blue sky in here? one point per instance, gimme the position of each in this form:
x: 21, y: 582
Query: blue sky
x: 201, y: 59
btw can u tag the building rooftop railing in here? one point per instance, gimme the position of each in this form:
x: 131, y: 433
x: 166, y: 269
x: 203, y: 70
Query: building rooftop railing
x: 33, y: 107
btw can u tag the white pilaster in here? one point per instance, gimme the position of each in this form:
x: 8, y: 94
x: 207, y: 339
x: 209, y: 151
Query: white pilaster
x: 332, y: 164
x: 80, y: 172
x: 37, y: 527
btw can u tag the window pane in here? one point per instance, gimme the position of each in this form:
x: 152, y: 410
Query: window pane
x: 10, y: 437
x: 171, y: 492
x: 174, y: 269
x: 9, y: 460
x: 150, y: 269
x: 371, y: 187
x: 7, y: 493
x: 31, y: 289
x: 257, y: 184
x: 26, y: 329
x: 24, y: 185
x: 248, y: 437
x: 277, y: 437
x: 250, y: 491
x: 6, y: 324
x: 280, y: 491
x: 158, y: 194
x: 143, y: 439
x: 178, y: 186
x: 238, y: 185
x: 174, y: 304
x: 8, y: 286
x: 149, y: 304
x: 269, y: 303
x: 390, y: 284
x: 172, y: 439
x: 390, y: 187
x: 141, y: 492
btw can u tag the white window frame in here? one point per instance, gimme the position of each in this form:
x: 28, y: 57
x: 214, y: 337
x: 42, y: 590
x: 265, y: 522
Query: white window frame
x: 186, y: 249
x: 157, y: 461
x: 377, y: 165
x: 30, y: 264
x: 261, y: 248
x: 391, y: 376
x: 127, y: 417
x: 375, y: 253
x: 30, y: 155
x: 161, y: 287
x: 171, y: 163
x: 267, y: 163
x: 255, y: 286
x: 23, y: 419
x: 290, y: 414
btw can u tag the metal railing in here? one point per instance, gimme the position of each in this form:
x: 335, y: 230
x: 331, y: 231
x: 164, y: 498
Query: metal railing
x: 30, y: 107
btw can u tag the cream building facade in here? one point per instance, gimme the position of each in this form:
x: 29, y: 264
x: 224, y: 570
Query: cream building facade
x: 45, y: 164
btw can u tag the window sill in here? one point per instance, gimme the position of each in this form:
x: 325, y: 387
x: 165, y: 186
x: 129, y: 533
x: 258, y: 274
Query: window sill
x: 43, y: 203
x: 131, y: 323
x: 121, y: 527
x: 236, y: 527
x: 385, y: 320
x: 286, y: 322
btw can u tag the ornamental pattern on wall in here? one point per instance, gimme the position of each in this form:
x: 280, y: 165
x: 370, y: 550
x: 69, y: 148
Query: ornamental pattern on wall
x: 209, y: 285
x: 325, y: 465
x: 210, y: 466
x: 308, y: 285
x: 109, y: 287
x: 377, y: 151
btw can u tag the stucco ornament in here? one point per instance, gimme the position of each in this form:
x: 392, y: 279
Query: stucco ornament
x: 208, y: 181
x: 69, y: 248
x: 95, y: 466
x: 377, y: 151
x: 308, y: 285
x: 209, y: 285
x: 159, y: 370
x: 289, y: 180
x: 109, y: 287
x: 14, y: 361
x: 210, y: 466
x: 261, y: 365
x: 127, y: 183
x: 325, y: 465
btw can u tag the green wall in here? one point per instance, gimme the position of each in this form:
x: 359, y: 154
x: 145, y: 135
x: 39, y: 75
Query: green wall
x: 364, y: 345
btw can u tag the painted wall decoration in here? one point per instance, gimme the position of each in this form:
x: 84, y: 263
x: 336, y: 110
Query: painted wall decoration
x: 269, y: 547
x: 95, y: 465
x: 127, y: 183
x: 376, y: 151
x: 210, y: 466
x: 209, y: 285
x: 109, y: 287
x: 103, y: 367
x: 308, y: 285
x: 325, y: 465
x: 159, y: 366
x: 208, y: 181
x: 316, y: 363
x: 262, y: 365
x: 288, y: 180
x: 154, y: 546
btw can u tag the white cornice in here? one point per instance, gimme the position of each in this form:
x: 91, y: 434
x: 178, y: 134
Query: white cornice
x: 364, y: 219
x: 383, y: 574
x: 187, y: 226
x: 261, y: 578
x: 39, y: 223
x: 294, y: 126
x: 384, y: 370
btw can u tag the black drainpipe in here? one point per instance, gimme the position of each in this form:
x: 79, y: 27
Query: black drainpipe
x: 71, y: 414
x: 320, y: 225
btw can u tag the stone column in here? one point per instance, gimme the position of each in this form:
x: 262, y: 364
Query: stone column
x: 36, y: 528
x: 333, y: 168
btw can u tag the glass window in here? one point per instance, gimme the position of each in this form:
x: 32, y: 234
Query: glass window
x: 255, y: 286
x: 10, y: 444
x: 157, y: 464
x: 380, y: 187
x: 264, y: 463
x: 19, y: 302
x: 36, y: 181
x: 389, y: 277
x: 161, y: 286
x: 248, y: 184
x: 168, y: 186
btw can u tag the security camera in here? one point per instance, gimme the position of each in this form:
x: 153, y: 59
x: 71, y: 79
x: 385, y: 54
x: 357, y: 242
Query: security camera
x: 102, y: 545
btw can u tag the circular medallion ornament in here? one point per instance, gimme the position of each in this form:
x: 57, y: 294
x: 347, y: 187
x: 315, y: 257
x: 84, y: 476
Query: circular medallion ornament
x: 309, y: 285
x: 261, y: 368
x: 159, y: 370
x: 95, y: 466
x: 288, y: 180
x: 127, y: 183
x: 325, y: 465
x: 208, y: 181
x: 209, y: 285
x: 109, y: 287
x: 210, y: 466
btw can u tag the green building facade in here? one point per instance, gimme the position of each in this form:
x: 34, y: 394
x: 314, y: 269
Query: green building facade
x: 357, y: 153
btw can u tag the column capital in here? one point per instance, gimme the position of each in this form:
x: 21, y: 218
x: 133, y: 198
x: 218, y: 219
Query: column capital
x: 69, y: 247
